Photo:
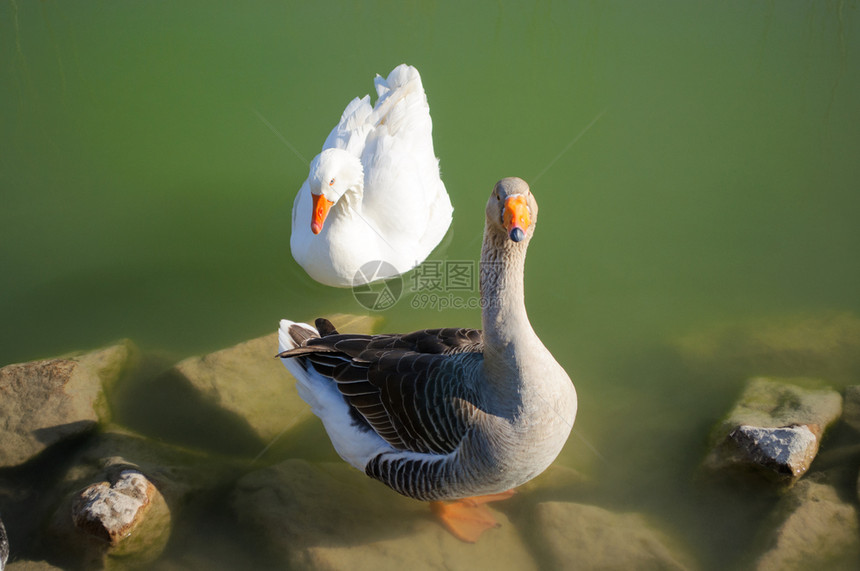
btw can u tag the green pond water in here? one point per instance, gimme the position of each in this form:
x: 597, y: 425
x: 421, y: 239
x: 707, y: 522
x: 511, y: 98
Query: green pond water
x: 695, y: 163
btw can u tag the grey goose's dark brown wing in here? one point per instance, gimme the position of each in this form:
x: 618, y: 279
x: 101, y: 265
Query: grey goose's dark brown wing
x: 413, y: 390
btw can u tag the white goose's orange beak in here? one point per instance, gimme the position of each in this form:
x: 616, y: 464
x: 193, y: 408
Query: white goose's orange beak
x: 321, y: 208
x: 516, y: 217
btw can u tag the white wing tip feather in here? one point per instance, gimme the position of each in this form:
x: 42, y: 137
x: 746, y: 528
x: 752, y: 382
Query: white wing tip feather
x: 285, y: 340
x: 354, y: 445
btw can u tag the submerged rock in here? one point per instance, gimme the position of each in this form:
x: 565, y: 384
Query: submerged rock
x: 175, y: 471
x: 113, y: 511
x: 247, y: 381
x: 774, y: 429
x: 121, y: 520
x: 44, y: 402
x: 812, y: 528
x: 555, y: 482
x: 331, y: 516
x: 116, y: 502
x: 250, y: 382
x: 781, y: 402
x: 578, y: 536
x: 825, y: 345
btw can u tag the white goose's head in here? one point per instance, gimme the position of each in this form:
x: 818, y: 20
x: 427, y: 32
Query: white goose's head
x: 512, y: 209
x: 333, y: 173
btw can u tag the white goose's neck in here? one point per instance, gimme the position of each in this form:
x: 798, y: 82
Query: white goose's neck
x: 350, y: 201
x: 340, y: 165
x: 348, y: 207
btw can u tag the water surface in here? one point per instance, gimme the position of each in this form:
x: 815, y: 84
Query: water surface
x: 694, y: 162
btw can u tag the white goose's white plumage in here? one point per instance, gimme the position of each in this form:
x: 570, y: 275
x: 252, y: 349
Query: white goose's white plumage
x: 445, y: 413
x: 374, y: 193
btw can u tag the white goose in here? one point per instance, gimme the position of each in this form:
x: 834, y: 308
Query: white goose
x: 374, y: 193
x: 446, y: 414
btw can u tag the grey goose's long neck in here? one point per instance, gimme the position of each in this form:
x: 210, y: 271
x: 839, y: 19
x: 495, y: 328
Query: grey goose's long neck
x: 504, y: 317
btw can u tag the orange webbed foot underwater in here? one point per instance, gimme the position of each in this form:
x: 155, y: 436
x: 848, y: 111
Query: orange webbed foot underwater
x: 469, y: 518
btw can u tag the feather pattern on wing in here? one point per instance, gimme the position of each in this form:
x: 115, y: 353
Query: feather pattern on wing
x: 401, y: 386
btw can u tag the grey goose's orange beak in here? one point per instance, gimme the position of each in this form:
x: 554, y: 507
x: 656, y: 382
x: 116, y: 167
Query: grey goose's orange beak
x: 516, y: 217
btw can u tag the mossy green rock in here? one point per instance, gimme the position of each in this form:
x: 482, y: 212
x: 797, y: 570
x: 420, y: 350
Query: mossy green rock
x: 114, y: 523
x: 249, y: 382
x: 45, y: 402
x: 824, y: 345
x: 586, y: 537
x: 812, y: 528
x: 775, y: 402
x: 83, y: 533
x: 774, y: 430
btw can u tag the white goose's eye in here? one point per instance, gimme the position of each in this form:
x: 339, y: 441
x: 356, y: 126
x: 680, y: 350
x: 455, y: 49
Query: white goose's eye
x: 331, y: 182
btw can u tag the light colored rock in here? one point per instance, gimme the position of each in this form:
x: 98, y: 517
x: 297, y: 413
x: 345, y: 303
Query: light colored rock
x: 787, y: 451
x: 583, y: 537
x: 774, y: 429
x: 825, y: 345
x: 110, y: 524
x: 811, y: 529
x: 44, y: 402
x: 249, y: 381
x: 330, y: 516
x: 111, y: 511
x: 149, y: 480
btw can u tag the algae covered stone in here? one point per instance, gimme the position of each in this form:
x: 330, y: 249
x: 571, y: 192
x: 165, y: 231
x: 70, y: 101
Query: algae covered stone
x: 774, y: 429
x: 45, y: 402
x: 116, y: 502
x: 112, y: 523
x: 812, y: 528
x: 579, y: 536
x: 824, y: 344
x: 248, y: 381
x: 775, y: 402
